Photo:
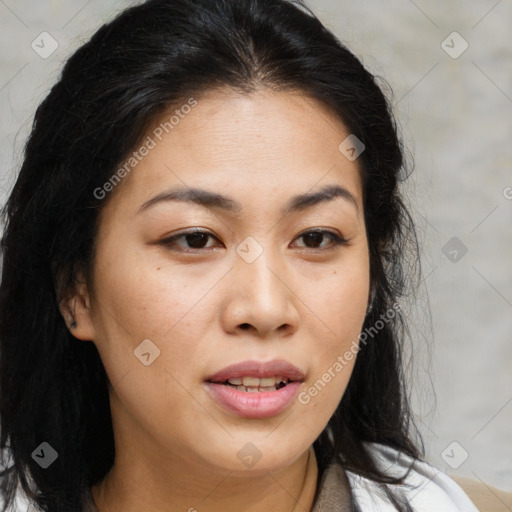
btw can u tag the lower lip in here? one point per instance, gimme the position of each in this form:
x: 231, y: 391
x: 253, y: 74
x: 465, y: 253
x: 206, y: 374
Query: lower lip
x: 262, y: 404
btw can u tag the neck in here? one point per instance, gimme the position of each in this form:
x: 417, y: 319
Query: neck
x: 132, y: 485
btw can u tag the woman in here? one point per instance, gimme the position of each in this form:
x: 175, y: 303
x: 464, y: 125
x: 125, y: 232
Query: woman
x: 203, y: 262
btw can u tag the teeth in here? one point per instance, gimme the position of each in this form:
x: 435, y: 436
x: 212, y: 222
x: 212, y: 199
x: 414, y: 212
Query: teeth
x: 256, y: 385
x: 255, y: 382
x: 251, y: 381
x: 252, y: 389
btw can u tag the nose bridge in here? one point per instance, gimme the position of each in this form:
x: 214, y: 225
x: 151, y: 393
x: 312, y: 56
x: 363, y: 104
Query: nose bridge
x: 258, y: 266
x: 260, y: 295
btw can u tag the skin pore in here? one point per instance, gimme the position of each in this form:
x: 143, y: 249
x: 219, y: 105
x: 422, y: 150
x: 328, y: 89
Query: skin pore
x: 303, y: 299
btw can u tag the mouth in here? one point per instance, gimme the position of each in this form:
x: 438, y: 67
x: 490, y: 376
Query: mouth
x: 254, y: 389
x: 254, y: 376
x: 250, y: 384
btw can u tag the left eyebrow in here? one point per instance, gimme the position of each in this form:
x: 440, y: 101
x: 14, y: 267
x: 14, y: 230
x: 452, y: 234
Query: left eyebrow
x: 217, y: 201
x: 325, y: 194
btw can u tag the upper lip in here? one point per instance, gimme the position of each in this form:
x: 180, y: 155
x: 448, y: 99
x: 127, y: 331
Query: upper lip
x: 274, y: 368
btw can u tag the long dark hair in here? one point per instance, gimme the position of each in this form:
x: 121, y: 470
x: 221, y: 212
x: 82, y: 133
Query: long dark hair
x: 151, y: 57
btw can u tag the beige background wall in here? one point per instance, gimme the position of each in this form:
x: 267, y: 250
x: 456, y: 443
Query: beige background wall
x: 455, y: 110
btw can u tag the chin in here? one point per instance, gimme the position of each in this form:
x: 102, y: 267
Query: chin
x: 257, y: 458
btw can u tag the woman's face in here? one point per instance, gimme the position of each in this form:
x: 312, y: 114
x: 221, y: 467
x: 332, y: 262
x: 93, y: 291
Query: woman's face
x: 169, y: 311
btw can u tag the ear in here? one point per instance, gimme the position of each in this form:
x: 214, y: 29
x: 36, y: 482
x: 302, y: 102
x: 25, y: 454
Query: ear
x: 76, y: 310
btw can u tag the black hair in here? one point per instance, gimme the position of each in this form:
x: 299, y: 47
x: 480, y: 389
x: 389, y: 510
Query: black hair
x: 151, y: 57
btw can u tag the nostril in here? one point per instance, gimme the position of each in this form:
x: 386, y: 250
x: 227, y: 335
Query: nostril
x: 245, y: 326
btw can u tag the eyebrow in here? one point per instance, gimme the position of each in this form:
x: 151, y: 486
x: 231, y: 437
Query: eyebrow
x: 217, y: 201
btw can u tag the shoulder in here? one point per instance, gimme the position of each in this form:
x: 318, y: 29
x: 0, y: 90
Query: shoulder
x: 425, y: 487
x: 484, y: 496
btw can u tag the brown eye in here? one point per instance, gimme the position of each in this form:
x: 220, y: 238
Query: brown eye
x: 314, y: 239
x: 196, y: 240
x: 193, y: 240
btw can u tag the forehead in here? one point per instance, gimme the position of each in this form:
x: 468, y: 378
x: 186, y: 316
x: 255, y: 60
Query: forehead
x: 257, y: 144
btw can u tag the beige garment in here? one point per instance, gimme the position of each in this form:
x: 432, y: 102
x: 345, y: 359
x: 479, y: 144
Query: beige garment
x: 485, y: 497
x: 334, y: 491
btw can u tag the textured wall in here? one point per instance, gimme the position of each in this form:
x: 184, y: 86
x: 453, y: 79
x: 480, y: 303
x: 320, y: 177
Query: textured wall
x: 454, y: 105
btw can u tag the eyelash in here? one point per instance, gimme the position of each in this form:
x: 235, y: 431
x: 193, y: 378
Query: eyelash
x: 336, y: 240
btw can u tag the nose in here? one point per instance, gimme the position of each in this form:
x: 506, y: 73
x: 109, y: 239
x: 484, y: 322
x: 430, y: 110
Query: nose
x: 260, y: 298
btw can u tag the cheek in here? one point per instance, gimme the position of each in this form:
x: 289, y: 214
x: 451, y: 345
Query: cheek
x: 338, y: 298
x: 339, y: 302
x: 149, y: 297
x: 138, y: 299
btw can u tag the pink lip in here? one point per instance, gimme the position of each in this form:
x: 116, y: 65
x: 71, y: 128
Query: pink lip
x: 260, y: 404
x: 274, y: 368
x: 253, y: 405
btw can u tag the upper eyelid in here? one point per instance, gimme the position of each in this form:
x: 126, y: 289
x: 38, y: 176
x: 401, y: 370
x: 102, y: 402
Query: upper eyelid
x: 207, y: 232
